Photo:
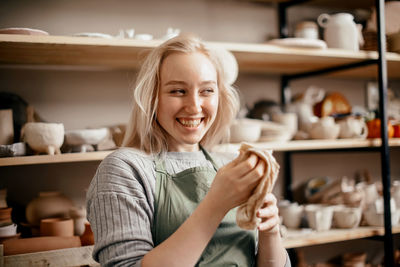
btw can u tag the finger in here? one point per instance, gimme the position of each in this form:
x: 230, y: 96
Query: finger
x: 256, y: 173
x: 271, y: 224
x: 270, y: 199
x: 246, y: 166
x: 268, y: 212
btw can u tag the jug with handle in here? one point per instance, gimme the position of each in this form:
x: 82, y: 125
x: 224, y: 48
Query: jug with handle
x: 340, y: 31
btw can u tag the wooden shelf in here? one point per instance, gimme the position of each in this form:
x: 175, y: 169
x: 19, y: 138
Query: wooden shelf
x: 61, y: 257
x: 49, y: 159
x: 294, y: 239
x: 306, y: 145
x: 303, y: 145
x: 306, y: 237
x: 364, y: 4
x: 96, y: 53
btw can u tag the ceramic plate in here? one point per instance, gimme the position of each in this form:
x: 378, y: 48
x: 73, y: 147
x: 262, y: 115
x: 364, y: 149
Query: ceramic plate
x: 93, y: 34
x: 26, y: 31
x: 299, y: 42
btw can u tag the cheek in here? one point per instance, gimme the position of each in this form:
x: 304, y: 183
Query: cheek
x: 213, y: 106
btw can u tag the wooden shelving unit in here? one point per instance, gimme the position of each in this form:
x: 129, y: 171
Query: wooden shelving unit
x: 97, y: 53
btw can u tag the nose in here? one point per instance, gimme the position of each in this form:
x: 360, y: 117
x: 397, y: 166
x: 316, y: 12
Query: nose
x: 193, y: 104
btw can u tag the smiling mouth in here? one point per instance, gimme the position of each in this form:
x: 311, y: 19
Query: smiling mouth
x: 191, y: 123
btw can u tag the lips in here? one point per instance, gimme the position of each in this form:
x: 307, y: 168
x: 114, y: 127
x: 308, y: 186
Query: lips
x: 191, y: 123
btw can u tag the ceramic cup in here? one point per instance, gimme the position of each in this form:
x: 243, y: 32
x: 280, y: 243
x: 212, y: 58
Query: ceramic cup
x: 292, y: 215
x: 319, y: 217
x: 289, y: 120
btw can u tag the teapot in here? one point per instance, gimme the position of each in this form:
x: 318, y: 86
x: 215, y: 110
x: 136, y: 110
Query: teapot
x: 352, y: 127
x: 341, y: 31
x: 325, y: 128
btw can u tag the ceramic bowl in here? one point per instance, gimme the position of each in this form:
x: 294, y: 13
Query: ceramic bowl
x: 44, y: 137
x: 245, y: 130
x: 57, y: 227
x: 324, y: 128
x: 377, y: 219
x: 8, y: 230
x: 347, y: 217
x: 86, y: 136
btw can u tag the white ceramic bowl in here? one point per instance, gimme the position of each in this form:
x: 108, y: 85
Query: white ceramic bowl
x: 319, y: 217
x: 86, y: 136
x: 377, y: 219
x: 245, y: 130
x: 8, y: 230
x: 44, y: 137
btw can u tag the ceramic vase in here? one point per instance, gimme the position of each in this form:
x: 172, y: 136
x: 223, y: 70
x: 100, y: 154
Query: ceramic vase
x: 87, y: 238
x: 49, y: 204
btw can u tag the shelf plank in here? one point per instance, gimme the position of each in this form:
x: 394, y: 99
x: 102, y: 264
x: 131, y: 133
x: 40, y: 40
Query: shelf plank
x: 49, y: 159
x: 97, y: 53
x: 306, y: 237
x: 300, y: 145
x: 60, y: 257
x: 304, y: 145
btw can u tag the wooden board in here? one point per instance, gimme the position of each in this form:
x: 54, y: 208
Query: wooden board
x: 57, y: 258
x: 96, y: 53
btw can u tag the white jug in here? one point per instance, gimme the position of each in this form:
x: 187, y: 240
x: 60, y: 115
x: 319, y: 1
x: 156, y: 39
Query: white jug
x: 341, y: 31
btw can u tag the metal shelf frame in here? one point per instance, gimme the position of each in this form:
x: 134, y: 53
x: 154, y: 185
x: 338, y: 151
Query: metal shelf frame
x: 383, y: 84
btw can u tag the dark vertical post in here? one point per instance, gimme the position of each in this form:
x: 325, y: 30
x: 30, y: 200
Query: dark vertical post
x: 282, y: 22
x: 385, y: 157
x: 287, y: 161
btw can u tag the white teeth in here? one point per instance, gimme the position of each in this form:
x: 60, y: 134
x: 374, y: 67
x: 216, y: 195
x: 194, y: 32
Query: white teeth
x: 190, y: 123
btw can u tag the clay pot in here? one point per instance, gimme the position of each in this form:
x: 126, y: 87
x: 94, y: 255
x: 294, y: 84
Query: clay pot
x: 50, y: 204
x: 57, y: 227
x: 3, y: 198
x: 319, y: 217
x: 8, y: 230
x: 87, y: 239
x: 292, y: 215
x: 347, y: 217
x: 36, y: 244
x: 5, y: 215
x: 324, y: 128
x: 44, y: 137
x: 6, y: 127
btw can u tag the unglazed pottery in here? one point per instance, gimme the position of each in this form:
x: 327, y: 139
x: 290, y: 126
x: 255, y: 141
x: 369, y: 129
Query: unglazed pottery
x: 57, y: 227
x: 78, y: 214
x: 352, y: 127
x: 319, y: 217
x: 5, y: 215
x: 245, y: 130
x: 324, y: 128
x: 48, y: 205
x: 87, y: 238
x: 347, y: 217
x: 86, y: 136
x: 44, y: 137
x: 292, y: 215
x: 6, y: 127
x: 340, y: 31
x: 8, y: 230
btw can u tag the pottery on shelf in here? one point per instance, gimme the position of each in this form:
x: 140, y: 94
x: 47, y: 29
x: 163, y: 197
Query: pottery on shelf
x: 245, y: 130
x: 13, y: 150
x: 5, y: 215
x: 8, y: 230
x: 319, y: 217
x: 6, y: 127
x: 49, y: 204
x: 78, y: 214
x: 324, y: 128
x: 44, y: 137
x: 3, y: 197
x: 87, y: 238
x: 84, y: 137
x: 352, y: 127
x: 347, y: 217
x: 292, y: 214
x: 56, y: 227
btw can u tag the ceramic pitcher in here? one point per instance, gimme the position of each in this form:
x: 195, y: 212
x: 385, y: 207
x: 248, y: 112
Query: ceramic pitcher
x: 352, y: 127
x: 340, y: 31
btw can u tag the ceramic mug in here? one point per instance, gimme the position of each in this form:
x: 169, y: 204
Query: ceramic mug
x: 319, y: 217
x: 292, y: 215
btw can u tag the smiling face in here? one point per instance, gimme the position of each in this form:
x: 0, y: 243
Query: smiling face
x: 187, y: 99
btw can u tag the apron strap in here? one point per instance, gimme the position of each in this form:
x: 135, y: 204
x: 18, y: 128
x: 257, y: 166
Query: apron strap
x: 208, y: 157
x: 160, y: 163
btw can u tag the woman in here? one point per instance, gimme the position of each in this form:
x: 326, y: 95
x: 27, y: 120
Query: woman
x: 164, y: 200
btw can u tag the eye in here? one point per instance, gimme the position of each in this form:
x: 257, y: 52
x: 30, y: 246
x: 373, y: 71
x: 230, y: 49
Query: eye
x: 177, y: 92
x: 208, y: 91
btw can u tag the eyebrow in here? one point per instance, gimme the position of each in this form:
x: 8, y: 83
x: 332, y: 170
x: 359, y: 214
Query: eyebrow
x: 174, y: 82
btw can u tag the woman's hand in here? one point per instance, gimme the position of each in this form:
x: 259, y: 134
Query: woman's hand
x: 269, y: 215
x: 235, y: 182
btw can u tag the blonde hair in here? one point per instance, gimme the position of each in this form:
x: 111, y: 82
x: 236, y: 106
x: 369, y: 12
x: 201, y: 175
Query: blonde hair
x: 143, y: 131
